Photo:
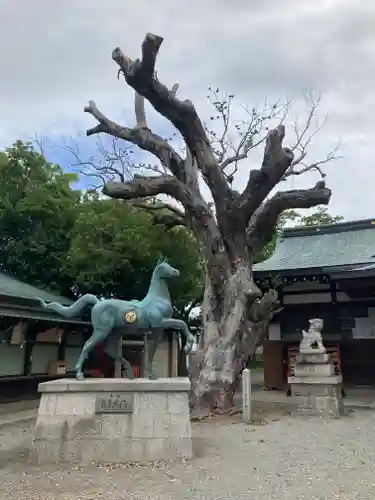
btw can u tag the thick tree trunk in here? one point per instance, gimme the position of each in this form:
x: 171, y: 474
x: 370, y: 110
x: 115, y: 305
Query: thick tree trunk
x: 231, y: 335
x: 235, y: 315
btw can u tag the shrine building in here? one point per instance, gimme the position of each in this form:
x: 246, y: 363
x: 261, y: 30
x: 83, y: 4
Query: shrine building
x: 35, y: 344
x: 325, y: 271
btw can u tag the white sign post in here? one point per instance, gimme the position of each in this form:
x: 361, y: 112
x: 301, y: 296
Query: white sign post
x: 246, y: 395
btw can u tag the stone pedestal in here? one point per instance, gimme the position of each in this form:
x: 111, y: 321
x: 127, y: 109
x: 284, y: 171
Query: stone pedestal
x: 112, y: 420
x: 314, y: 387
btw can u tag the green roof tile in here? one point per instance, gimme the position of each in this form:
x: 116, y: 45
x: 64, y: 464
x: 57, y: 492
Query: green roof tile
x: 343, y: 244
x: 12, y: 287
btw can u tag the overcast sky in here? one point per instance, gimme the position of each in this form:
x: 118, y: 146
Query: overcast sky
x: 56, y: 55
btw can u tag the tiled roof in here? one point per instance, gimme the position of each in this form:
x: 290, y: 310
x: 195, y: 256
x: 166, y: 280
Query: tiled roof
x: 333, y: 245
x: 12, y: 287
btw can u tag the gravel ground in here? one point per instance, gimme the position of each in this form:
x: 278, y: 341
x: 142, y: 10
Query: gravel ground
x: 14, y: 438
x: 278, y: 457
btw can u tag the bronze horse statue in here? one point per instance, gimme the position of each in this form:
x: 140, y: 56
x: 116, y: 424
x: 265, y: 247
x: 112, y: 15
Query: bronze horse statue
x: 108, y: 315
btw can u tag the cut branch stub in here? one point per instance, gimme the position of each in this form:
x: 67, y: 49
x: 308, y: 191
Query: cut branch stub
x: 139, y: 107
x: 144, y: 68
x: 264, y: 308
x: 140, y: 74
x: 150, y: 49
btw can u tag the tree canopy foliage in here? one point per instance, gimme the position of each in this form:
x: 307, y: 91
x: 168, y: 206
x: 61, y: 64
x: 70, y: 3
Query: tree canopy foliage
x: 53, y: 237
x: 114, y: 249
x: 38, y: 208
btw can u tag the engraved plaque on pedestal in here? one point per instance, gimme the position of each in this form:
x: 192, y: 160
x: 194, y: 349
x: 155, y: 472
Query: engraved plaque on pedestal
x: 114, y: 403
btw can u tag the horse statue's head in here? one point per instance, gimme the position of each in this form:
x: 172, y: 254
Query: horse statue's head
x: 164, y: 270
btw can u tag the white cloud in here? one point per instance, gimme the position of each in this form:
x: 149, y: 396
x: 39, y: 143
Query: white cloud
x: 55, y: 56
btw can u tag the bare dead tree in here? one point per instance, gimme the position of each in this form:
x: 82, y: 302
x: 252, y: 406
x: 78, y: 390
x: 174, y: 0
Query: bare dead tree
x: 233, y: 230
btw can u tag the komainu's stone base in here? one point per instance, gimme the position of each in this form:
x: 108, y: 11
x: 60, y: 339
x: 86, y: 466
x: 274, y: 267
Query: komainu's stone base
x: 112, y: 420
x: 314, y: 388
x: 317, y: 397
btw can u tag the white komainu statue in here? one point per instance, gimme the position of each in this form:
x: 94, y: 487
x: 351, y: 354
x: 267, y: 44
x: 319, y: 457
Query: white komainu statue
x: 313, y: 335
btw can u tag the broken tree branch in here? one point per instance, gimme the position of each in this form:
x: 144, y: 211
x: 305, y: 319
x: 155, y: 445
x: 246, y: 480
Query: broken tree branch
x: 139, y: 107
x: 140, y: 75
x: 264, y: 220
x: 139, y: 110
x: 141, y: 137
x: 264, y: 308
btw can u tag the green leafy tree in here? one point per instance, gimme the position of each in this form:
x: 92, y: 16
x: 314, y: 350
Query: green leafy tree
x: 52, y: 237
x: 321, y: 216
x: 114, y: 249
x: 38, y: 208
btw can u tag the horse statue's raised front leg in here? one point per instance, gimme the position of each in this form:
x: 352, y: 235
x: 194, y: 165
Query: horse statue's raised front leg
x: 178, y: 324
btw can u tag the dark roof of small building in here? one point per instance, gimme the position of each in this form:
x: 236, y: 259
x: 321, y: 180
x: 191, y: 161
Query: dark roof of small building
x: 12, y: 287
x: 345, y: 245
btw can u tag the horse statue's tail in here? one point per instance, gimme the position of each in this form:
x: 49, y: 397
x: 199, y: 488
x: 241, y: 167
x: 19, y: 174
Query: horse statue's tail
x: 74, y: 309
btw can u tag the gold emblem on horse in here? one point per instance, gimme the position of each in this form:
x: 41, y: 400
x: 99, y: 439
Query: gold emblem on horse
x: 130, y: 317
